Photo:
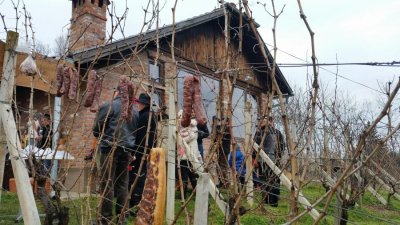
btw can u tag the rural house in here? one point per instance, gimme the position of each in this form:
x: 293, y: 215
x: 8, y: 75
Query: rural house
x: 199, y: 50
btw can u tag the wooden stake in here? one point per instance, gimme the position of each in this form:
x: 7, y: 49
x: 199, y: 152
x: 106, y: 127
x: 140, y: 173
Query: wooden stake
x: 171, y: 155
x: 3, y: 153
x: 372, y: 190
x: 383, y: 183
x: 24, y: 190
x: 287, y: 183
x: 201, y: 204
x: 249, y: 164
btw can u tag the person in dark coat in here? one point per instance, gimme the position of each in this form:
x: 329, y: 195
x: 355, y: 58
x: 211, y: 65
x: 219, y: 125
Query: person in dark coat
x: 44, y: 132
x: 115, y: 147
x: 223, y: 140
x: 202, y: 133
x: 44, y: 138
x: 273, y: 146
x: 142, y: 146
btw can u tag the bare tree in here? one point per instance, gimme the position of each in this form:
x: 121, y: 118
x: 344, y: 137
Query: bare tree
x: 60, y: 45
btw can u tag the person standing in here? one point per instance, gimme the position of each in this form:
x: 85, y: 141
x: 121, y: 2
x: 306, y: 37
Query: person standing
x: 189, y: 155
x: 44, y: 132
x: 203, y: 132
x: 145, y: 140
x: 223, y: 141
x: 44, y: 137
x: 273, y: 146
x: 117, y: 138
x: 240, y: 164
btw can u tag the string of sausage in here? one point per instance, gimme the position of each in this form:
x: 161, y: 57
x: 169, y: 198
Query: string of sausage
x: 192, y: 101
x: 67, y: 81
x: 126, y: 91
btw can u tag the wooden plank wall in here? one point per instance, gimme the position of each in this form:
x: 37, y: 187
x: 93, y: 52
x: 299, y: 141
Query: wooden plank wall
x: 205, y: 45
x: 47, y: 67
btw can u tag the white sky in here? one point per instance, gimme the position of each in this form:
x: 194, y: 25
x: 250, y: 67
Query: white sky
x: 352, y: 31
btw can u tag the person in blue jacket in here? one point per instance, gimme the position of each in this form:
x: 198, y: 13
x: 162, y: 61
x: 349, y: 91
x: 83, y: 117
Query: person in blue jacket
x: 240, y: 164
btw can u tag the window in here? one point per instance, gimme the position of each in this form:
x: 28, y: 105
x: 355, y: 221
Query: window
x: 155, y: 72
x: 238, y: 105
x: 158, y: 99
x: 210, y: 92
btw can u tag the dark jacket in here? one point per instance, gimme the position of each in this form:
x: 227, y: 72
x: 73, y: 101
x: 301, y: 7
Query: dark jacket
x: 203, y: 132
x: 142, y: 130
x: 273, y: 143
x: 226, y: 141
x: 108, y: 117
x: 45, y: 141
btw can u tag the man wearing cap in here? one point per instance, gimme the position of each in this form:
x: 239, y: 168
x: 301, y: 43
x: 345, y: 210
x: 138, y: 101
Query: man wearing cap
x: 145, y: 140
x: 273, y: 146
x: 117, y: 139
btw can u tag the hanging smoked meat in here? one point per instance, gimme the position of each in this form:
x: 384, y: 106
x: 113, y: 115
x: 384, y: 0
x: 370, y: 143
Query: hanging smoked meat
x: 192, y: 101
x: 126, y: 91
x: 198, y: 103
x: 96, y: 98
x: 60, y: 78
x: 187, y: 100
x: 90, y: 89
x: 74, y: 83
x: 66, y: 80
x: 152, y: 205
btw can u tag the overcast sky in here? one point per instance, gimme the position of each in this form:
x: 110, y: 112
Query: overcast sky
x: 347, y: 31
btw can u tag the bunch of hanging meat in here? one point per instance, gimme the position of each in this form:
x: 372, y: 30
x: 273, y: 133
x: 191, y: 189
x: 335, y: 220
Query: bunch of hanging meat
x: 93, y: 91
x: 192, y: 101
x: 127, y: 93
x: 67, y: 81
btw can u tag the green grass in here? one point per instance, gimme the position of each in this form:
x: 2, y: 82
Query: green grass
x: 369, y: 211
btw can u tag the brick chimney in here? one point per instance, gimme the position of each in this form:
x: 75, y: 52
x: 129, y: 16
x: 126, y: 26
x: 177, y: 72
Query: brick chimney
x: 88, y: 24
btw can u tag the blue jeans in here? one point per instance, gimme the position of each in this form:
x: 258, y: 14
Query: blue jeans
x: 201, y: 150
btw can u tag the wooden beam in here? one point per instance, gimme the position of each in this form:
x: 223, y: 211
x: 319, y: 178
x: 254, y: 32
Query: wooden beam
x: 201, y: 204
x: 198, y: 167
x: 387, y: 187
x: 383, y: 171
x: 373, y: 191
x: 3, y: 153
x: 249, y: 164
x: 24, y: 190
x: 286, y: 182
x: 171, y: 154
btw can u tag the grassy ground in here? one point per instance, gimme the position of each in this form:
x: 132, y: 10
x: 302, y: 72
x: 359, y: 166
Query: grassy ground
x: 369, y: 210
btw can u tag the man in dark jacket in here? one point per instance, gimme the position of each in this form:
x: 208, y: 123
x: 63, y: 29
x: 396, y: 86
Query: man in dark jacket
x: 117, y: 139
x: 223, y: 141
x: 44, y: 132
x: 143, y: 145
x: 273, y: 146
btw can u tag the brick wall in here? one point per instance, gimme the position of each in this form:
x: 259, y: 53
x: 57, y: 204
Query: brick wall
x: 78, y: 120
x: 88, y: 25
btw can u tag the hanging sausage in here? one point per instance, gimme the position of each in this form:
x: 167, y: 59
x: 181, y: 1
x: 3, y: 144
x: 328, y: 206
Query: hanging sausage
x: 125, y: 88
x: 90, y: 88
x: 66, y: 80
x: 74, y: 76
x: 187, y: 100
x: 60, y: 78
x: 192, y: 101
x: 96, y: 98
x: 198, y: 103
